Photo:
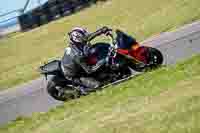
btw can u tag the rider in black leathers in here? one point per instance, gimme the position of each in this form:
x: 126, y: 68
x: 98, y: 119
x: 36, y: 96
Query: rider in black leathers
x: 73, y: 61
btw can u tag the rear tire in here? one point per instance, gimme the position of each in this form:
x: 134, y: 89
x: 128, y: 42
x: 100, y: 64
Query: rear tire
x: 59, y: 91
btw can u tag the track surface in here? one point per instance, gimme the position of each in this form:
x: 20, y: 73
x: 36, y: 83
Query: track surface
x: 32, y: 97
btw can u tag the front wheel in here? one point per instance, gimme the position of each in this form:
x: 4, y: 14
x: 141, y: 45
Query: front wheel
x: 152, y: 58
x: 155, y: 58
x: 59, y: 91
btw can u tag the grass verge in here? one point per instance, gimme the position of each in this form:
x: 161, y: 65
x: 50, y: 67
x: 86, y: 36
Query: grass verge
x: 21, y: 54
x: 164, y: 100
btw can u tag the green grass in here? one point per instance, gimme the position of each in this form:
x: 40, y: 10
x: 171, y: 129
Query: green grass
x: 21, y: 54
x: 161, y: 101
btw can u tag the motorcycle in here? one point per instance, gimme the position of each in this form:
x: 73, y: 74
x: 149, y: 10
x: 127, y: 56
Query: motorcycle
x: 125, y: 56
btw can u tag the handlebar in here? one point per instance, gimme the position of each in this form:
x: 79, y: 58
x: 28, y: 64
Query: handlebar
x: 112, y: 49
x: 110, y: 34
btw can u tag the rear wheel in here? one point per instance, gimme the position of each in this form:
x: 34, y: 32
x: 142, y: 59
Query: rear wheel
x: 60, y: 91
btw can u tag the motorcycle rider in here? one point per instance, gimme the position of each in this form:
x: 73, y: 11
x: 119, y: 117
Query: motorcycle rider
x: 74, y: 59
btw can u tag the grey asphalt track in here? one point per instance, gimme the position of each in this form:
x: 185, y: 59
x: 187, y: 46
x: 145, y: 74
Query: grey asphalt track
x: 32, y: 97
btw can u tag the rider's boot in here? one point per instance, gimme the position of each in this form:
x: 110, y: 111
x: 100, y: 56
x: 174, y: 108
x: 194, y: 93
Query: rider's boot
x: 87, y: 84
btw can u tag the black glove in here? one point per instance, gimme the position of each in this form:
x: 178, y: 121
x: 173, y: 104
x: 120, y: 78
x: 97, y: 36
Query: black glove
x: 106, y: 30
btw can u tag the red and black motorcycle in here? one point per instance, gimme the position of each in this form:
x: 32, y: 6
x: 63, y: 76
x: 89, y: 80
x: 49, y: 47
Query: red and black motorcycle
x: 124, y: 57
x: 126, y: 48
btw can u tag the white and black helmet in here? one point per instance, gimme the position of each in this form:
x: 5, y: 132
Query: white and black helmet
x: 77, y: 35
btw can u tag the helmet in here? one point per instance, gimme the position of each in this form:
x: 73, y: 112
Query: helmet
x: 77, y: 35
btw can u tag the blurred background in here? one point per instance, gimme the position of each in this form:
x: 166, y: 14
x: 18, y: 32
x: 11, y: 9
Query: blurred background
x: 10, y: 10
x: 23, y: 15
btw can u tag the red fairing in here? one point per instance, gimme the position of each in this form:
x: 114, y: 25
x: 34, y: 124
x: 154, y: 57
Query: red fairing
x: 123, y: 51
x: 139, y: 53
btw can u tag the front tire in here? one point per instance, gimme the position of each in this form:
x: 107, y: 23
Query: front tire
x: 153, y: 59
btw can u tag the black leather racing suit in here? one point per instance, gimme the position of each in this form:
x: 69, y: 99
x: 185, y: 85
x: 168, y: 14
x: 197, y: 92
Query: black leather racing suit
x: 73, y: 62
